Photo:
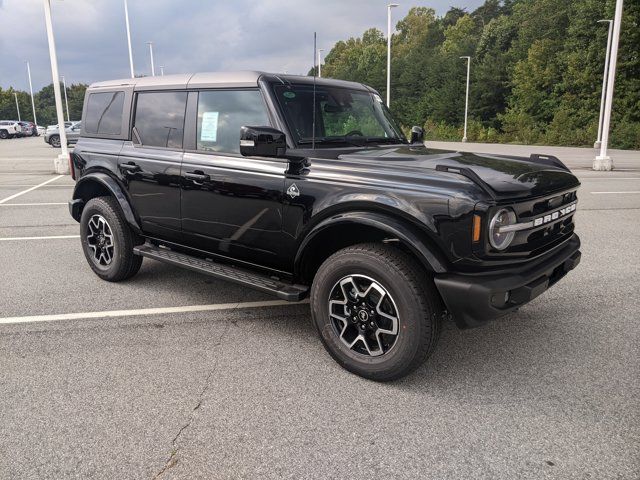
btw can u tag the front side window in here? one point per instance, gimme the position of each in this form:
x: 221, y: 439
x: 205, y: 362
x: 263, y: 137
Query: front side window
x: 343, y: 115
x: 104, y: 113
x: 159, y: 120
x: 221, y: 114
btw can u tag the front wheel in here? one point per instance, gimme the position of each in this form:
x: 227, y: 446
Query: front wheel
x: 54, y: 141
x: 378, y: 314
x: 107, y: 240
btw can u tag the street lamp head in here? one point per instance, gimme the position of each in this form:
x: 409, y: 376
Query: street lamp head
x: 393, y: 5
x: 605, y: 21
x: 466, y: 56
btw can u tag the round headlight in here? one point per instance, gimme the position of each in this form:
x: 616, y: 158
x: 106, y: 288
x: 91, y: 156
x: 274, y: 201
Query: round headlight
x: 502, y: 218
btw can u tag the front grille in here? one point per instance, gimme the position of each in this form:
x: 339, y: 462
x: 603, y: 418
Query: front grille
x: 538, y: 240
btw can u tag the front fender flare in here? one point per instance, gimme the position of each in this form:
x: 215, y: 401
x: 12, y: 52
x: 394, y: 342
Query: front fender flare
x: 110, y: 184
x: 394, y: 227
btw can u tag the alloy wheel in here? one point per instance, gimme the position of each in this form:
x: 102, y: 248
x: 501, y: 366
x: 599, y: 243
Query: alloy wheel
x: 100, y: 240
x: 364, y: 315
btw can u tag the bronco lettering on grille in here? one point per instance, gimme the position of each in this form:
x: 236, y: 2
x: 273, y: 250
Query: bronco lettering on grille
x: 555, y: 215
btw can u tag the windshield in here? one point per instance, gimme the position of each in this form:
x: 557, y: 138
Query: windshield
x: 343, y: 116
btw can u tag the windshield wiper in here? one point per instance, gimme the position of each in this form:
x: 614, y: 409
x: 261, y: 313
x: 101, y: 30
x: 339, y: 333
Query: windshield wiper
x: 382, y: 140
x: 347, y: 140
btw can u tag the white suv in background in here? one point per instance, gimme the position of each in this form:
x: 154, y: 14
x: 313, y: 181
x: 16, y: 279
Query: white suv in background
x: 9, y: 128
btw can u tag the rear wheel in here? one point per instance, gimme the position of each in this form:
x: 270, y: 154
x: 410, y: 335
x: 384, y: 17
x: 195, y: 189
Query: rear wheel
x: 377, y: 313
x: 4, y: 134
x: 54, y: 141
x: 108, y: 241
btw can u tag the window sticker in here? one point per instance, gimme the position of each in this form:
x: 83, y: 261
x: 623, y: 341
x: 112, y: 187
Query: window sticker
x: 209, y: 130
x: 289, y: 94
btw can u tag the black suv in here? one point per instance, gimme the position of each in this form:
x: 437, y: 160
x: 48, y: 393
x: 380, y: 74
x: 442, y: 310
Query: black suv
x: 299, y: 186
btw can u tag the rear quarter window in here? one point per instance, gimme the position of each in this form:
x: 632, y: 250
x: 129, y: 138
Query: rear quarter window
x: 104, y: 113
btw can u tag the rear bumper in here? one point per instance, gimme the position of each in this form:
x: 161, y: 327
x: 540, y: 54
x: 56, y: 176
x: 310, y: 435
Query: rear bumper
x: 475, y: 299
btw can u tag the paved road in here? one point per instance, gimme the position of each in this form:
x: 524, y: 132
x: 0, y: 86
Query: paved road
x: 248, y: 392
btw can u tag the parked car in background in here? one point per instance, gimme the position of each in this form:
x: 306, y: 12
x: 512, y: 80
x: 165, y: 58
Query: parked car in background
x: 9, y: 129
x: 41, y: 130
x: 28, y: 129
x: 72, y: 129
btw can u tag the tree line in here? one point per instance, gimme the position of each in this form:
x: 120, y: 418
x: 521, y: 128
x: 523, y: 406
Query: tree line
x: 45, y: 104
x: 536, y: 71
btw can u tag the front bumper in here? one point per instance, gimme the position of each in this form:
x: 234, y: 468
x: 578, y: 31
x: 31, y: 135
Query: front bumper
x: 474, y: 299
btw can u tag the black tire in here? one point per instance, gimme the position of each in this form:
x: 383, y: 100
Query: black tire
x: 54, y: 141
x: 123, y: 262
x: 4, y: 134
x: 412, y: 294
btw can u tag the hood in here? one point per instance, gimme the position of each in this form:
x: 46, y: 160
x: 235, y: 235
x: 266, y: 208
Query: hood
x: 505, y: 176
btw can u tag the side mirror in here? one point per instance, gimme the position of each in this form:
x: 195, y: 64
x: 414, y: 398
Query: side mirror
x: 417, y: 135
x: 262, y: 142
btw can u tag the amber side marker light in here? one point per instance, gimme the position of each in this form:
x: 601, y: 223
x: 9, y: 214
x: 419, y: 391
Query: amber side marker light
x: 476, y: 228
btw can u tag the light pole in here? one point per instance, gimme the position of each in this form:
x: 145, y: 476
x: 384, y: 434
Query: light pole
x: 33, y: 104
x: 61, y: 164
x: 604, y: 84
x: 153, y: 70
x: 603, y: 161
x: 389, y: 7
x: 162, y: 70
x: 126, y: 20
x: 17, y: 106
x: 66, y: 103
x: 466, y: 99
x: 320, y: 50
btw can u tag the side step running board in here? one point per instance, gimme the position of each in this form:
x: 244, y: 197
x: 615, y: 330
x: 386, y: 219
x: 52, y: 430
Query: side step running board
x: 283, y: 290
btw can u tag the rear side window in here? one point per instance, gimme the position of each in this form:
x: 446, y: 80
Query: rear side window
x: 159, y: 120
x: 104, y: 113
x: 222, y: 113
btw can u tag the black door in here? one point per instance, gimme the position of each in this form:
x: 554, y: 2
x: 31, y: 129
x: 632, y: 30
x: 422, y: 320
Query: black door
x: 232, y: 205
x: 151, y: 163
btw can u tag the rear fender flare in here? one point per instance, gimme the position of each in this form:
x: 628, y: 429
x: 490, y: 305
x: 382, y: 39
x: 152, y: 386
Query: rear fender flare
x: 84, y: 186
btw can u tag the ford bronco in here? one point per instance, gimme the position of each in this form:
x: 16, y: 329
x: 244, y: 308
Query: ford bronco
x: 304, y: 187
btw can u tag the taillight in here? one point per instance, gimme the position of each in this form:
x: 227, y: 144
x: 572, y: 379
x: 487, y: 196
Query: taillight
x: 72, y: 170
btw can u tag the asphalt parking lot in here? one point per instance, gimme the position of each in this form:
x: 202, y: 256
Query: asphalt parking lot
x: 176, y: 375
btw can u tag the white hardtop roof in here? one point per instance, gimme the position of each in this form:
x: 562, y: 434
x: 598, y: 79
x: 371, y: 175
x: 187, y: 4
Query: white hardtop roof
x: 214, y: 79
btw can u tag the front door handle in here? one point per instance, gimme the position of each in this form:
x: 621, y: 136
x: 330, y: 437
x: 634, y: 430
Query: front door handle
x: 197, y: 176
x: 129, y: 167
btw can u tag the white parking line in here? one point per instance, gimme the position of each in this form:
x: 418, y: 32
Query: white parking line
x: 7, y: 185
x: 613, y: 193
x: 30, y: 204
x: 30, y: 189
x: 146, y: 311
x: 10, y: 239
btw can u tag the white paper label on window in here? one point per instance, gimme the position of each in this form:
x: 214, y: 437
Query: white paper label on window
x: 209, y: 130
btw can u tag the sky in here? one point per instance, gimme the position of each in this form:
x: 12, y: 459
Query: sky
x: 188, y: 35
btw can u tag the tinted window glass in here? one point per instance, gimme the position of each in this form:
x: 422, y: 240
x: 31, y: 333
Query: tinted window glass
x: 222, y: 113
x: 159, y: 118
x: 104, y: 113
x: 342, y: 114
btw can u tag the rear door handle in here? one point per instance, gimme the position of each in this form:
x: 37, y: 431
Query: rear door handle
x: 129, y: 167
x: 197, y: 176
